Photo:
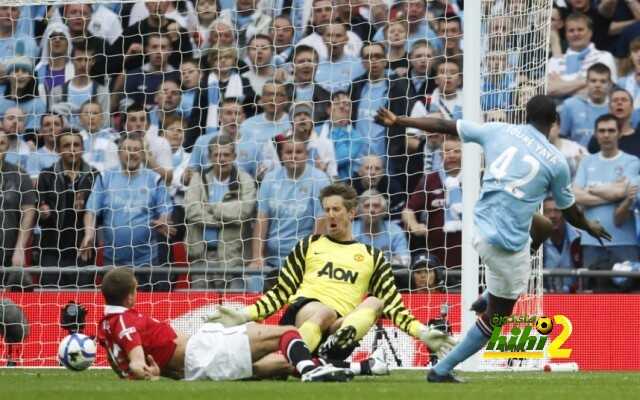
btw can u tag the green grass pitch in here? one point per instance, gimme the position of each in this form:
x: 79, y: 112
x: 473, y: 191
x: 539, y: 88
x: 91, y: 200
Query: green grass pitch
x: 400, y: 385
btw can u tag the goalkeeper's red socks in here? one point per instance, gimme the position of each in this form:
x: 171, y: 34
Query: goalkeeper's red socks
x: 296, y: 351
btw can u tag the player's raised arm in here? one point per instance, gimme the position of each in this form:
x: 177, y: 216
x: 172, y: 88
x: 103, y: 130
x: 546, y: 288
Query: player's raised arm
x: 434, y: 125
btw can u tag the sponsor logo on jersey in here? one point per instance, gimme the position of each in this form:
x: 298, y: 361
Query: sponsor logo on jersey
x: 338, y: 273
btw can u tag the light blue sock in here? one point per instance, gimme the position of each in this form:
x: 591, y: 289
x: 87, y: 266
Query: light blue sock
x: 485, y: 295
x: 474, y: 341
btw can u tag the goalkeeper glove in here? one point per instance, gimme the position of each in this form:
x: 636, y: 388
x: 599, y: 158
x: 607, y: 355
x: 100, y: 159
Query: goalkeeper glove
x: 436, y: 340
x: 228, y: 316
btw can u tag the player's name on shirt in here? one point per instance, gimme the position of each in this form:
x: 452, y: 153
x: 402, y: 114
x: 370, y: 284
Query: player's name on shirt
x: 536, y: 146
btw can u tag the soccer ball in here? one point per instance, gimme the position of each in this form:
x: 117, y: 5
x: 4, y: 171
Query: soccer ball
x: 77, y: 352
x: 544, y: 325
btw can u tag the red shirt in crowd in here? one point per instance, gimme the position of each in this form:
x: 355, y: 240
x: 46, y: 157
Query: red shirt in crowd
x: 428, y: 202
x: 122, y: 329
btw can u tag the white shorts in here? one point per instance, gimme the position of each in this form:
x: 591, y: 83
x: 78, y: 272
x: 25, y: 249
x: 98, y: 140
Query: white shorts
x: 507, y: 273
x: 219, y: 354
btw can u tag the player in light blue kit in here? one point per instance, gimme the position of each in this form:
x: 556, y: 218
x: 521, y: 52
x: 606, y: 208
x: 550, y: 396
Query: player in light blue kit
x: 521, y: 168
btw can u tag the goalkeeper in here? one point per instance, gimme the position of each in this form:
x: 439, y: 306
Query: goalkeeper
x: 336, y: 288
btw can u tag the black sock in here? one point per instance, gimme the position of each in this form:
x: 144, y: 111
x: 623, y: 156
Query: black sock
x: 365, y: 367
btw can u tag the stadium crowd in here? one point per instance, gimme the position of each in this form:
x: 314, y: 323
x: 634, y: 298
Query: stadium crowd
x: 132, y: 133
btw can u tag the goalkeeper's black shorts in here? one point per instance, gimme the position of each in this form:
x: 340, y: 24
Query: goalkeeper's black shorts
x: 289, y: 316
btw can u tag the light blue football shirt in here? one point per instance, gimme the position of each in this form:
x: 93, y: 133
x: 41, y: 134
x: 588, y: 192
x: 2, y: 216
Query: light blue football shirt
x: 374, y: 96
x: 334, y: 76
x: 127, y: 205
x: 521, y: 168
x: 596, y: 170
x: 578, y: 117
x: 391, y: 239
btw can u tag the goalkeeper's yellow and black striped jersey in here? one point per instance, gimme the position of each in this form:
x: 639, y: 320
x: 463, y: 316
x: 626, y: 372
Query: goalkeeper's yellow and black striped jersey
x: 339, y: 275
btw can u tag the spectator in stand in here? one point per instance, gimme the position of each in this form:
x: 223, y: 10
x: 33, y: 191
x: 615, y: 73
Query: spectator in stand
x: 17, y: 214
x: 55, y: 66
x: 167, y: 103
x: 305, y: 64
x: 141, y: 84
x: 48, y: 153
x: 557, y: 39
x: 259, y: 56
x: 630, y: 68
x: 621, y: 106
x: 447, y: 97
x: 371, y: 176
x: 600, y: 15
x: 415, y: 13
x: 420, y: 73
x: 107, y: 59
x: 601, y: 183
x: 22, y: 92
x: 248, y: 18
x: 373, y: 227
x: 322, y: 16
x: 231, y: 117
x: 222, y: 34
x: 12, y: 42
x: 372, y: 91
x: 219, y: 203
x: 572, y: 151
x: 259, y: 129
x: 427, y: 274
x: 99, y: 148
x: 348, y: 144
x: 567, y: 74
x: 451, y: 31
x: 289, y: 208
x: 340, y: 68
x: 173, y: 131
x: 560, y: 250
x: 499, y: 82
x: 135, y: 38
x: 433, y: 215
x: 225, y: 82
x: 624, y: 16
x: 320, y: 149
x: 193, y: 101
x: 190, y: 90
x: 63, y: 190
x: 82, y: 88
x: 395, y: 40
x: 207, y: 11
x: 19, y: 152
x: 425, y: 150
x: 134, y: 206
x: 579, y: 113
x: 157, y: 150
x: 282, y: 32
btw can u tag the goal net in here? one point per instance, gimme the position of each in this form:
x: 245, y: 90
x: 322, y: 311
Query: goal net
x: 190, y: 140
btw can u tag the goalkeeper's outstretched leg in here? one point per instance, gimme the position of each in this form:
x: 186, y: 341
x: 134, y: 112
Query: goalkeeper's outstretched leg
x: 348, y: 331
